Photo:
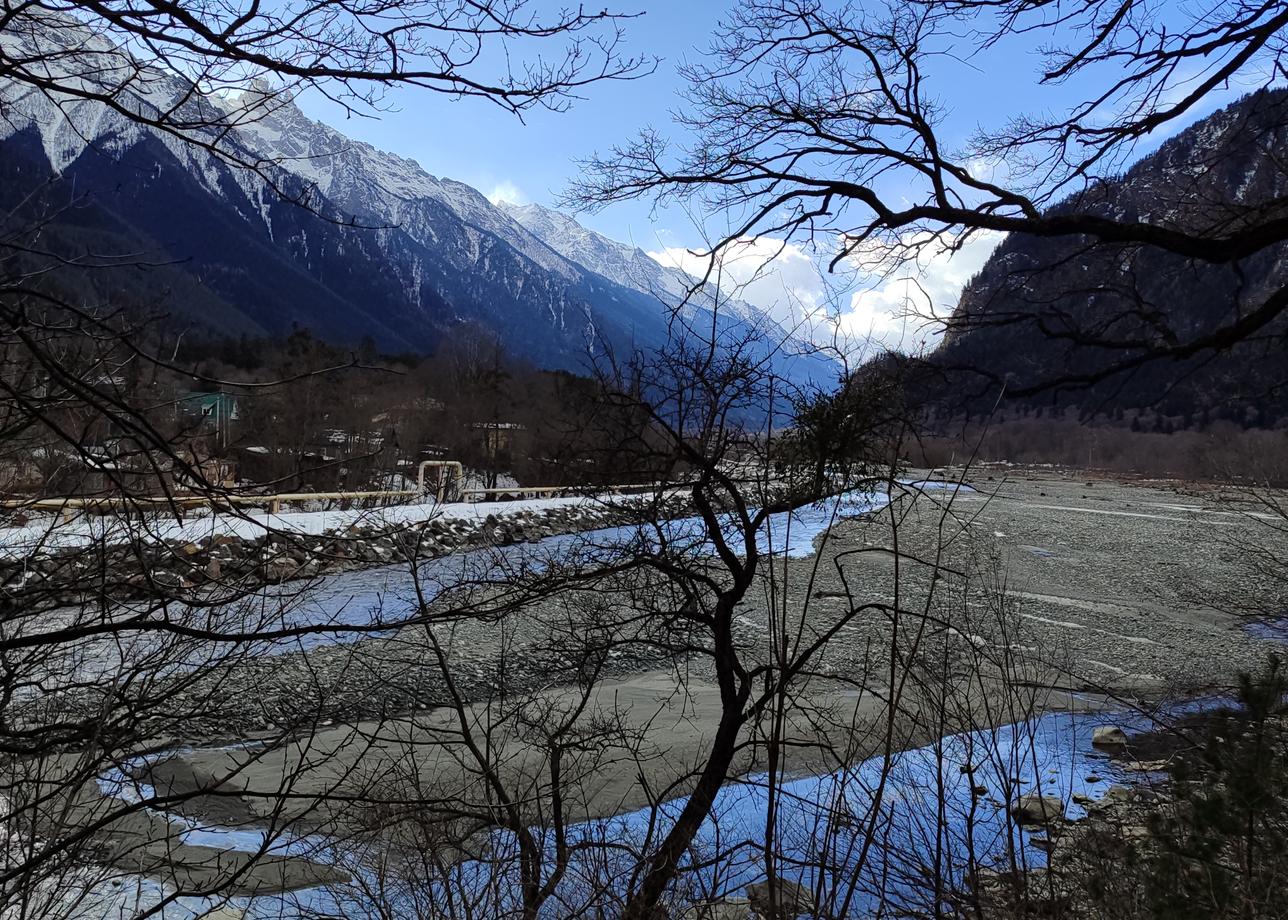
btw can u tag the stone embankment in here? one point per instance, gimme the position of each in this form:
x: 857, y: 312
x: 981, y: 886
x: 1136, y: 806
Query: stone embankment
x: 145, y: 567
x: 1164, y: 822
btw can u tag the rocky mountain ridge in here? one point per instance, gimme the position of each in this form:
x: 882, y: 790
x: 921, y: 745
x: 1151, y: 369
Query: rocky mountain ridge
x: 627, y: 265
x: 382, y: 248
x: 1039, y: 307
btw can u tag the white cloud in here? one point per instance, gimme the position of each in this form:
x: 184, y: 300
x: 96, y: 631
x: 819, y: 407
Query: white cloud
x: 782, y: 279
x: 990, y: 169
x: 871, y: 303
x: 507, y: 193
x: 899, y: 306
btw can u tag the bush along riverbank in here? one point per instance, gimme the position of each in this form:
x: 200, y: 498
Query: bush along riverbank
x: 1201, y: 833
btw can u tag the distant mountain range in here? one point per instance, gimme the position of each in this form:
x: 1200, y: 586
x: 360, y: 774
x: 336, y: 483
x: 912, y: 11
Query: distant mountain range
x: 384, y: 249
x: 1014, y: 313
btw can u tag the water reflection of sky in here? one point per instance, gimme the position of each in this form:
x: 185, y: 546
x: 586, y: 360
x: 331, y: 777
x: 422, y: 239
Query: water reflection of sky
x: 1054, y: 744
x: 371, y: 596
x: 349, y: 606
x: 1274, y: 629
x: 926, y: 813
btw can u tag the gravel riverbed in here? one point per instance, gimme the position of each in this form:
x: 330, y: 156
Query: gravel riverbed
x: 1088, y: 590
x: 1114, y: 587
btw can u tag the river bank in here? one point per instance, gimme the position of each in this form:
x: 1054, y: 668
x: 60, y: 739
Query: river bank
x: 1094, y: 586
x: 233, y: 553
x: 1084, y: 592
x: 1050, y: 755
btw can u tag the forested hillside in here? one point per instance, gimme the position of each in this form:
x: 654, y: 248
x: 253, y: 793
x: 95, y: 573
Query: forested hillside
x: 1047, y: 316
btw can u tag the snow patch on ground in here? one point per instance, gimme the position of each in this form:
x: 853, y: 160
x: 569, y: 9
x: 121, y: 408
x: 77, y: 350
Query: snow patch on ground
x: 49, y: 534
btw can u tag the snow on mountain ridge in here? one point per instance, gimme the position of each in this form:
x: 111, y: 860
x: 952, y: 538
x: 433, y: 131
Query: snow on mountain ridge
x: 451, y: 254
x: 374, y: 183
x: 267, y: 129
x: 628, y: 265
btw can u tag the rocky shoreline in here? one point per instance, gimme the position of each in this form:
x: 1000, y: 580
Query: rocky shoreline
x: 1135, y: 847
x: 177, y: 568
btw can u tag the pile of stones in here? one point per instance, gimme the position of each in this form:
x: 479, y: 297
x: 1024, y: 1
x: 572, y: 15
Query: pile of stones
x: 145, y: 567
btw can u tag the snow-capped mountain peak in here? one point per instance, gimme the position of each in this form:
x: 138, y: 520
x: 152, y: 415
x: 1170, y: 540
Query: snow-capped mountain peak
x: 628, y: 265
x: 384, y: 248
x: 377, y: 185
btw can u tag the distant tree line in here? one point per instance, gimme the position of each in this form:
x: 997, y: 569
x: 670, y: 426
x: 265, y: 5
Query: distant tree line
x: 313, y: 415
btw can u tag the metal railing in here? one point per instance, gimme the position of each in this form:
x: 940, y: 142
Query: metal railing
x: 441, y: 485
x: 518, y: 492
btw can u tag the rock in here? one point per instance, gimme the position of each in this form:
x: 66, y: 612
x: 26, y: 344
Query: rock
x: 1115, y: 796
x: 278, y: 571
x: 790, y: 900
x: 1035, y: 808
x: 169, y: 580
x: 1109, y: 737
x: 724, y: 909
x: 1042, y: 843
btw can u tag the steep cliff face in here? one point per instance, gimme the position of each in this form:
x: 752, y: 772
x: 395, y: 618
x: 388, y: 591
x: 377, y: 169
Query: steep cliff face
x: 1046, y: 307
x: 384, y: 249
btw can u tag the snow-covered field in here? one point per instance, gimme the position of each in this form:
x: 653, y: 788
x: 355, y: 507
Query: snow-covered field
x: 50, y: 533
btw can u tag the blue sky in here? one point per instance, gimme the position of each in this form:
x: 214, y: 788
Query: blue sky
x: 533, y: 160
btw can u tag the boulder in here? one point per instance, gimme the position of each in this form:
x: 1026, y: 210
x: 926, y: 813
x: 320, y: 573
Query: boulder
x: 789, y: 900
x: 1109, y: 737
x: 1046, y: 844
x: 1115, y: 796
x: 169, y: 580
x: 1035, y: 808
x: 724, y: 909
x: 278, y: 571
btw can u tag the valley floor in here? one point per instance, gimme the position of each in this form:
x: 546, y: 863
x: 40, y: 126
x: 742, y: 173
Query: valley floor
x: 1081, y: 593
